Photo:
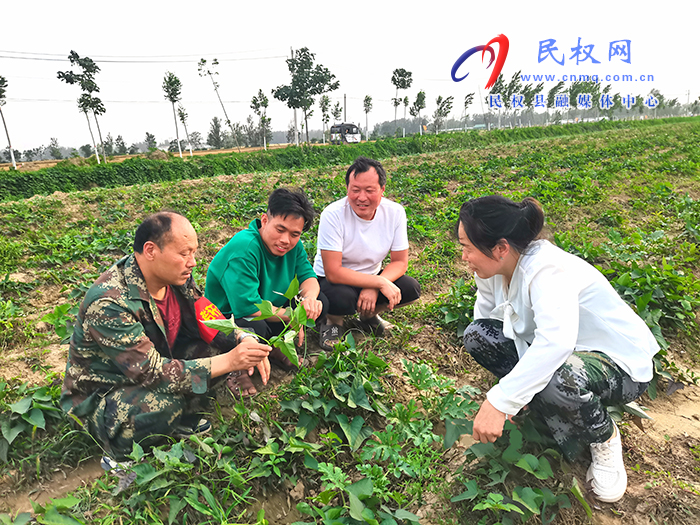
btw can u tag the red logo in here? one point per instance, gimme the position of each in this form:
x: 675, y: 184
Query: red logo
x: 502, y: 42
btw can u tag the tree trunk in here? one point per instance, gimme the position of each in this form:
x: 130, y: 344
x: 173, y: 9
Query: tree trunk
x: 12, y: 153
x: 92, y: 136
x: 306, y: 124
x: 189, y: 143
x: 99, y: 134
x: 177, y: 133
x: 228, y: 121
x: 366, y: 125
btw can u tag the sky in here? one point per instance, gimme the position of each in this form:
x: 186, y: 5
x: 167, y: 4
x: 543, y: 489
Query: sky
x: 360, y: 42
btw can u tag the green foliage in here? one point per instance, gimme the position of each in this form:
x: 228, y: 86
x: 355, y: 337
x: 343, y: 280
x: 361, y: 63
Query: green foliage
x: 458, y: 305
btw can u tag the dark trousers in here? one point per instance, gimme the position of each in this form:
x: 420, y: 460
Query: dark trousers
x: 138, y: 414
x: 573, y: 403
x: 342, y: 299
x: 271, y: 327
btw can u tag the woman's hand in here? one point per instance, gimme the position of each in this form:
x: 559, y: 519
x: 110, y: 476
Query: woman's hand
x: 488, y: 423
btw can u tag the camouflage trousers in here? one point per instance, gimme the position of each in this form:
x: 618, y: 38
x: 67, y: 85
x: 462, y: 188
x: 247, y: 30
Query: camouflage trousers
x: 138, y: 414
x: 572, y: 405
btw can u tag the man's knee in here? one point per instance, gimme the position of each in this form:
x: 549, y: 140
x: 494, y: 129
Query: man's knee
x: 342, y: 299
x: 410, y: 289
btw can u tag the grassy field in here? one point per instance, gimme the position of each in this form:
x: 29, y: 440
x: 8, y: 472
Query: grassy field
x: 376, y: 433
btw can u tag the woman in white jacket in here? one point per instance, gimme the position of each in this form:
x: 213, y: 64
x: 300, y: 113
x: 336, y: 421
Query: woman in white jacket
x: 555, y: 333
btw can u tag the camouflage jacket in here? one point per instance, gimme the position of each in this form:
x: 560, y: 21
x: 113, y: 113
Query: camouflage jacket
x: 120, y: 340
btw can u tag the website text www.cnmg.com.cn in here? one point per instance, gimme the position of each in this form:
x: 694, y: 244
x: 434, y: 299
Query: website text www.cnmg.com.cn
x: 587, y: 78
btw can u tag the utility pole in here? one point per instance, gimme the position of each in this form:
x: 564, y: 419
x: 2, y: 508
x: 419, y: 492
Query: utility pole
x: 345, y: 107
x: 296, y: 131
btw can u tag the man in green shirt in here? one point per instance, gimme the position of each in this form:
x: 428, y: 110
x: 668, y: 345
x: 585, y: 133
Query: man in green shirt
x: 262, y: 260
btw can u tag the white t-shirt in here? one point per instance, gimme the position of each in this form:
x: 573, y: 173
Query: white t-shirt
x: 557, y: 303
x: 364, y: 244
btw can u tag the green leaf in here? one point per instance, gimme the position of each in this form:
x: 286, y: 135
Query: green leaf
x: 576, y: 491
x: 4, y: 448
x: 454, y: 428
x: 528, y: 497
x: 288, y: 348
x: 266, y: 310
x: 293, y: 289
x: 364, y: 487
x: 403, y: 514
x: 65, y: 503
x: 176, y: 505
x: 310, y: 462
x: 512, y: 453
x: 22, y: 518
x: 356, y: 507
x: 636, y: 410
x: 358, y: 396
x: 10, y: 433
x: 375, y: 362
x: 354, y: 432
x: 35, y: 418
x: 42, y: 394
x: 222, y: 325
x: 22, y: 406
x: 53, y: 517
x: 145, y: 472
x: 469, y: 494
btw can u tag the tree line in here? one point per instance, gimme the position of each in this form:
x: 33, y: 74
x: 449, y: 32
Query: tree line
x: 308, y: 81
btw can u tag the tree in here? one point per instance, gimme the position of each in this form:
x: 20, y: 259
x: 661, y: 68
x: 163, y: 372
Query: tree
x: 210, y: 71
x: 308, y: 81
x: 196, y: 140
x: 86, y: 81
x: 151, y: 143
x: 3, y: 90
x: 325, y: 104
x: 468, y: 99
x: 259, y: 106
x: 367, y: 104
x: 134, y: 149
x: 34, y: 153
x: 402, y: 79
x: 10, y: 155
x: 418, y: 105
x: 182, y: 115
x: 86, y: 151
x: 444, y: 106
x: 173, y: 92
x: 215, y: 138
x: 337, y: 112
x: 54, y: 149
x: 109, y: 145
x: 120, y: 146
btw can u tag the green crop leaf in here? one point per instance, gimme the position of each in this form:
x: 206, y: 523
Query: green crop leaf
x: 222, y: 325
x: 356, y: 507
x: 176, y: 505
x: 528, y: 497
x: 636, y: 410
x: 287, y: 347
x: 364, y: 487
x: 454, y: 428
x: 10, y: 433
x: 266, y: 310
x: 358, y: 396
x: 354, y: 432
x: 469, y: 494
x: 22, y: 406
x: 576, y: 491
x: 4, y: 448
x: 403, y: 514
x: 35, y: 418
x: 53, y: 517
x: 512, y: 453
x: 292, y: 289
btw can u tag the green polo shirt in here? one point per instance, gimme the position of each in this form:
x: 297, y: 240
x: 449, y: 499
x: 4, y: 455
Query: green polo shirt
x: 244, y: 273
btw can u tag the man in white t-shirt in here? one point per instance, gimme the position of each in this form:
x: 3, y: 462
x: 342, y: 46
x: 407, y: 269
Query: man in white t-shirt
x: 355, y: 234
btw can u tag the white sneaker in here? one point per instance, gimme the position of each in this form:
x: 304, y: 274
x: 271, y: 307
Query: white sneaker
x: 115, y: 467
x: 607, y: 473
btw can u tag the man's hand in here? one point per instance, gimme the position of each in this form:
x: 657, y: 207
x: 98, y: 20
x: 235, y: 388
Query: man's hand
x: 248, y: 354
x: 488, y: 423
x: 264, y: 368
x: 313, y: 308
x: 301, y: 336
x: 391, y: 292
x: 367, y: 301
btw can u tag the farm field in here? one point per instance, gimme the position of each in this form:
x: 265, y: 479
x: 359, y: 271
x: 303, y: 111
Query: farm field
x: 375, y: 433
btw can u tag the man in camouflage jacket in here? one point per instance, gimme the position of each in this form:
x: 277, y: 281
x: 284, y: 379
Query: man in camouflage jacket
x: 133, y: 375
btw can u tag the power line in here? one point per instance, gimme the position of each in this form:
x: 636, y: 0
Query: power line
x: 104, y: 61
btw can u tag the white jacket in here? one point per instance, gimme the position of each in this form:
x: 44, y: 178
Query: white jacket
x: 557, y: 304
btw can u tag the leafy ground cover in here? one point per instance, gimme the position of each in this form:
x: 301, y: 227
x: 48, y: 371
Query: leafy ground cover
x: 376, y: 431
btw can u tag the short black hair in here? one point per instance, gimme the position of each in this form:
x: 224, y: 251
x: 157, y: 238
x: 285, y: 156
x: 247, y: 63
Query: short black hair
x: 363, y: 164
x: 284, y: 202
x: 155, y: 228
